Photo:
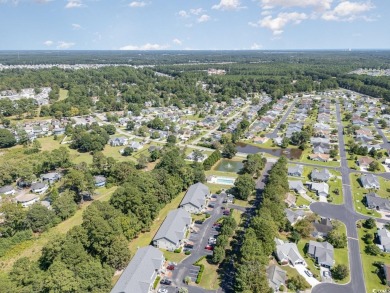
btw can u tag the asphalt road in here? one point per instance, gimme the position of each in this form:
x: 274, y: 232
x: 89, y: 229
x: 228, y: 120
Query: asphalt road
x: 347, y: 214
x: 274, y: 134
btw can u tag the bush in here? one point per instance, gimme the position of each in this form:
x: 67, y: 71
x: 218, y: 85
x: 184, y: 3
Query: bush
x: 156, y: 282
x: 178, y: 250
x: 210, y: 161
x: 201, y: 269
x: 208, y: 216
x: 187, y: 252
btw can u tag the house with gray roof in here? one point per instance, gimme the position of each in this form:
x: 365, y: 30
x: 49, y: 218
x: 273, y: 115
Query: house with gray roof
x: 119, y: 141
x: 288, y: 253
x: 322, y: 252
x: 276, y: 277
x: 294, y: 216
x: 322, y: 228
x: 384, y: 239
x: 195, y: 198
x: 297, y: 186
x: 321, y: 188
x: 7, y: 190
x: 141, y: 272
x: 322, y: 175
x: 173, y: 230
x: 369, y: 181
x: 51, y: 177
x: 374, y: 201
x: 295, y: 170
x: 39, y: 187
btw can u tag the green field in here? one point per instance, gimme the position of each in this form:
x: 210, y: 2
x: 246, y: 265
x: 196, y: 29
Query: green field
x: 341, y: 255
x: 369, y: 270
x: 63, y: 94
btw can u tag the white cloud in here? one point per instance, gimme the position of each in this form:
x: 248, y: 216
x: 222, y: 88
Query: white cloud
x: 183, y: 14
x: 204, y: 18
x: 256, y: 46
x: 317, y: 4
x: 228, y: 5
x: 348, y: 11
x: 48, y: 43
x: 76, y: 26
x: 42, y: 1
x: 74, y: 4
x: 177, y: 41
x: 137, y: 4
x: 277, y: 24
x: 64, y: 45
x: 196, y: 11
x: 147, y: 46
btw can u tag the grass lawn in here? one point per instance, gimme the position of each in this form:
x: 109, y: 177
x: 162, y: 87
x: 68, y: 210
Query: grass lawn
x: 385, y: 185
x: 341, y: 255
x: 173, y: 257
x: 305, y: 159
x: 145, y: 239
x: 32, y: 248
x: 358, y: 195
x: 48, y: 143
x: 221, y: 173
x: 333, y: 185
x: 369, y: 270
x: 301, y: 201
x: 291, y: 272
x: 63, y: 94
x: 210, y: 278
x: 217, y: 187
x: 237, y: 215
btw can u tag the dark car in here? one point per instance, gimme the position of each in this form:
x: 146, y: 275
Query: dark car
x: 226, y: 212
x: 211, y: 205
x: 166, y: 282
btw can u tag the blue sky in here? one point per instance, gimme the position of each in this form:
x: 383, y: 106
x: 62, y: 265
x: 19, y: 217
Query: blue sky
x: 194, y: 24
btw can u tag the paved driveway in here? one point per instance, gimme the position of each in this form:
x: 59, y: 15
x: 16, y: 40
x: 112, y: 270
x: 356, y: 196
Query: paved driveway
x: 311, y: 280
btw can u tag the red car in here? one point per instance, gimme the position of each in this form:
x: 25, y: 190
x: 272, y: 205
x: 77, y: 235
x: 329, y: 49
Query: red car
x: 217, y: 224
x: 209, y: 247
x: 171, y: 267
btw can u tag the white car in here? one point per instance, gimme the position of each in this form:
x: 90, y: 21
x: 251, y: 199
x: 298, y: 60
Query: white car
x: 307, y: 272
x: 162, y: 290
x: 212, y: 240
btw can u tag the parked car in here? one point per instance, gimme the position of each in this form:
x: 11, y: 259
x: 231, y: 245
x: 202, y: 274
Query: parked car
x: 214, y: 196
x: 212, y: 240
x: 216, y: 224
x: 209, y: 247
x: 162, y: 290
x: 307, y: 272
x: 171, y: 267
x: 212, y: 205
x: 226, y: 212
x: 166, y: 282
x: 327, y: 274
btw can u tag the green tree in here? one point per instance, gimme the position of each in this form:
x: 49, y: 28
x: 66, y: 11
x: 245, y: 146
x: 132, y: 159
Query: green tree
x: 337, y: 239
x: 369, y: 223
x: 171, y: 139
x: 39, y: 218
x: 218, y: 254
x: 297, y: 283
x: 304, y: 228
x: 253, y: 164
x: 130, y: 125
x: 373, y: 249
x: 7, y: 139
x: 244, y: 186
x: 127, y: 151
x: 229, y: 150
x: 64, y: 206
x: 340, y: 272
x: 118, y: 253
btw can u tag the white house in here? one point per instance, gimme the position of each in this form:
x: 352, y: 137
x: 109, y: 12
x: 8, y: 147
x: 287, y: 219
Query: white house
x: 7, y: 190
x: 27, y: 200
x: 39, y: 187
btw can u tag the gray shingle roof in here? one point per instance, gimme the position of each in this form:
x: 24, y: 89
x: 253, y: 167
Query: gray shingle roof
x: 140, y: 272
x: 174, y: 226
x: 369, y: 181
x: 320, y: 175
x: 288, y: 250
x: 276, y: 276
x: 196, y: 195
x: 375, y: 201
x: 6, y: 188
x: 322, y: 251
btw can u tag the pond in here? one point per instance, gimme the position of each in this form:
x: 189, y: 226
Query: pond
x: 229, y: 166
x: 251, y: 149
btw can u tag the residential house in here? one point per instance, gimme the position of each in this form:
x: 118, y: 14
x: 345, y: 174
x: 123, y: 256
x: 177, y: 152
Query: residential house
x: 100, y: 181
x: 317, y: 140
x: 276, y: 277
x: 195, y: 198
x: 322, y: 175
x: 384, y: 239
x: 7, y: 190
x: 119, y: 141
x: 295, y: 170
x: 369, y: 181
x: 297, y: 186
x: 135, y: 145
x: 27, y: 200
x: 260, y: 140
x: 290, y: 199
x: 374, y: 201
x: 322, y: 252
x: 319, y: 157
x: 294, y: 216
x: 192, y: 157
x: 51, y: 177
x: 39, y: 187
x: 365, y: 161
x: 288, y: 253
x: 322, y: 228
x: 141, y: 272
x: 321, y: 188
x: 173, y: 230
x: 386, y: 269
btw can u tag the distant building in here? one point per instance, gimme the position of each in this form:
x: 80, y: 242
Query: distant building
x: 27, y: 200
x: 297, y: 186
x: 374, y: 201
x: 276, y: 277
x: 322, y: 252
x: 288, y: 253
x: 7, y: 190
x: 100, y: 181
x: 369, y: 181
x: 195, y: 198
x: 296, y: 170
x: 39, y: 187
x: 51, y: 177
x: 322, y: 175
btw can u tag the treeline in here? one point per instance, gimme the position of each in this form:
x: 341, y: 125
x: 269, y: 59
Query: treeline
x: 229, y: 225
x: 258, y: 243
x: 212, y: 159
x: 85, y: 259
x: 378, y: 86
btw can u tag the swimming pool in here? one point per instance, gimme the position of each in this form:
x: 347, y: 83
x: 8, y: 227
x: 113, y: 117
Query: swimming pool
x: 227, y: 181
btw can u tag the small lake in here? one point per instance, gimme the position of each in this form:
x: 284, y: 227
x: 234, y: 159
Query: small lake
x: 229, y: 166
x: 251, y: 149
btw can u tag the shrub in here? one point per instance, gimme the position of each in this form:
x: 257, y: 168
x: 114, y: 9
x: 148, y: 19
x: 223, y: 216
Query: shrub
x: 187, y: 252
x: 178, y: 250
x: 156, y: 282
x: 201, y: 269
